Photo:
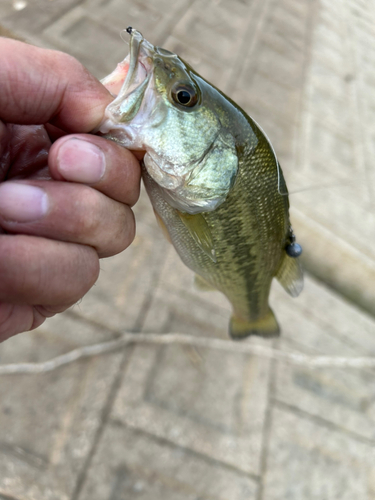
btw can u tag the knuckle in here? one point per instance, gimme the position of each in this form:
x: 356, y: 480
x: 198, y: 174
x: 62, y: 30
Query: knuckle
x: 92, y: 274
x: 78, y: 275
x: 86, y: 215
x: 66, y: 60
x: 121, y: 235
x: 14, y: 318
x: 6, y: 317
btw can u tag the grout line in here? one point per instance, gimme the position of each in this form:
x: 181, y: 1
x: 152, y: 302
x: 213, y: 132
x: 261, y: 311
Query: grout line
x: 248, y: 46
x: 82, y: 476
x: 104, y: 419
x: 169, y: 28
x: 267, y: 426
x: 300, y: 132
x: 281, y: 405
x: 166, y: 442
x: 73, y: 313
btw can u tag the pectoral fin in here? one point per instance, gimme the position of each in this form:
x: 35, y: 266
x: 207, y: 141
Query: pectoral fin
x: 200, y: 232
x: 266, y: 326
x: 290, y: 276
x: 202, y: 284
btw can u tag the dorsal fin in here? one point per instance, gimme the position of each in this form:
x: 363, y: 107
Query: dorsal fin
x: 200, y: 232
x: 290, y: 275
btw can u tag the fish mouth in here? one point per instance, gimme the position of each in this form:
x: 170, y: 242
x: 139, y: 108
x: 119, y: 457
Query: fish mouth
x: 129, y: 81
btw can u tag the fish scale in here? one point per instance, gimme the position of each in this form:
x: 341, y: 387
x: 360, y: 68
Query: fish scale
x: 213, y: 180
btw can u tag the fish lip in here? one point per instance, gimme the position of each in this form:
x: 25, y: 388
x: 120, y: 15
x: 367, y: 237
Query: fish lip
x: 140, y: 55
x: 116, y: 123
x: 137, y: 79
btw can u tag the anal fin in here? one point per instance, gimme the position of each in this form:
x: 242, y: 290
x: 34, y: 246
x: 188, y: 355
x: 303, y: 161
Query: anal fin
x: 163, y: 227
x: 290, y: 275
x: 202, y: 284
x: 266, y: 326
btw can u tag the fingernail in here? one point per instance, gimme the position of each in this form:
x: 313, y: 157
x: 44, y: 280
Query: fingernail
x: 21, y: 202
x: 80, y: 161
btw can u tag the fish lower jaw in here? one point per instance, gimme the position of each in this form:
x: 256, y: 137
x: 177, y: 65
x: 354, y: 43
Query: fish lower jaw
x: 165, y: 182
x: 162, y: 172
x: 177, y: 197
x: 124, y: 136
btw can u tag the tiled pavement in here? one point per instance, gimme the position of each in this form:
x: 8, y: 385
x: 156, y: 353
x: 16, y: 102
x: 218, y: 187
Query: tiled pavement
x: 179, y: 423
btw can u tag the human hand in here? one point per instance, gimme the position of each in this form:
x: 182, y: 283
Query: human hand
x: 63, y: 204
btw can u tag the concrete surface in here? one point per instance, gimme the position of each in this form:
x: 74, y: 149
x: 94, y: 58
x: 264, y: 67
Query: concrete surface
x: 180, y: 423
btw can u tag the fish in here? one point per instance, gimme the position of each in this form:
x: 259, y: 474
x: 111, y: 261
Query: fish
x: 213, y: 179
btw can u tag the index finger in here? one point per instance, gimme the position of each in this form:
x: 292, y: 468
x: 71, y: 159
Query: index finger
x: 39, y: 86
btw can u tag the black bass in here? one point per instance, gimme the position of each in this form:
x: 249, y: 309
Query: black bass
x: 213, y: 179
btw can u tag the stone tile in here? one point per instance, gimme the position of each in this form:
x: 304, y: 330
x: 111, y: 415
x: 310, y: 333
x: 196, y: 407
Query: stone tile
x: 210, y: 28
x: 6, y: 9
x: 328, y: 149
x: 36, y: 16
x: 131, y: 464
x: 177, y: 394
x: 48, y: 421
x: 343, y: 397
x: 340, y: 149
x: 296, y: 8
x: 127, y: 280
x: 209, y: 68
x: 279, y: 129
x: 308, y: 460
x: 286, y: 47
x: 210, y: 402
x: 98, y: 47
x: 337, y: 115
x: 62, y: 332
x: 275, y: 98
x: 271, y: 83
x: 345, y: 213
x: 155, y: 20
x: 287, y: 71
x: 320, y: 323
x: 9, y: 34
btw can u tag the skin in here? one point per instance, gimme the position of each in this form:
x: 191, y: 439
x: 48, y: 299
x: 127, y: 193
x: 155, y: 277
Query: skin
x: 48, y: 105
x: 213, y: 179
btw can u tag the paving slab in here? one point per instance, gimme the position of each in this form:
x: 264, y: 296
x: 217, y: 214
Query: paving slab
x: 49, y: 421
x: 127, y: 280
x: 211, y: 402
x: 131, y: 464
x: 310, y: 461
x: 320, y: 323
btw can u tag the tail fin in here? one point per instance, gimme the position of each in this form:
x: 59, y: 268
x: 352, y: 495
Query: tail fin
x: 264, y: 327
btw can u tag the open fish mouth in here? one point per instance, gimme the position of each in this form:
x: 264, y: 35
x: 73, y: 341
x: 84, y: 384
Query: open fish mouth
x: 129, y: 81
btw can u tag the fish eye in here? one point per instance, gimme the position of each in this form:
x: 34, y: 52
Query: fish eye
x: 185, y: 94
